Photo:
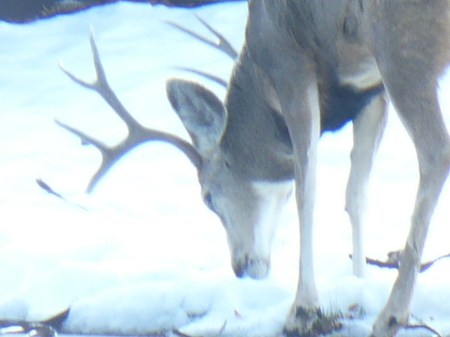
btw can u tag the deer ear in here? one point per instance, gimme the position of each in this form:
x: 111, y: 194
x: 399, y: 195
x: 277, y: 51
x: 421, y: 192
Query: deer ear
x: 202, y: 113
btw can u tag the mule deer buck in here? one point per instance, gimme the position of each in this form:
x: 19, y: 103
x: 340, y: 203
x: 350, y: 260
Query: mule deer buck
x: 308, y: 66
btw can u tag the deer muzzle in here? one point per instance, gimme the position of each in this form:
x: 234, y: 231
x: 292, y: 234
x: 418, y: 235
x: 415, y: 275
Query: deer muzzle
x: 255, y: 268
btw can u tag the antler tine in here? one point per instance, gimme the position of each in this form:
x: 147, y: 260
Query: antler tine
x: 101, y: 86
x: 211, y: 77
x: 222, y: 45
x: 137, y: 134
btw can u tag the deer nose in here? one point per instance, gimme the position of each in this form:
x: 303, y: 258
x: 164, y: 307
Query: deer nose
x: 255, y: 268
x: 239, y: 271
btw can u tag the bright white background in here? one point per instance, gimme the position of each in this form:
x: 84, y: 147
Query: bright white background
x: 147, y: 256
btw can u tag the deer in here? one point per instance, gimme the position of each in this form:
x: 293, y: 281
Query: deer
x: 308, y: 67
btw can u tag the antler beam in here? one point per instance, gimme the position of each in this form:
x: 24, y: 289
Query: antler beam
x: 137, y: 134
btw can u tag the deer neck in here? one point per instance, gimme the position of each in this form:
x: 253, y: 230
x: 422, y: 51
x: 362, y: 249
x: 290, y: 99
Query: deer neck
x: 256, y: 141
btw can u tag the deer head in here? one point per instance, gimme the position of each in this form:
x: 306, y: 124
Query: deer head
x: 247, y: 207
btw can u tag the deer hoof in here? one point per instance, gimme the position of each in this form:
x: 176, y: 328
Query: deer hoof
x: 303, y: 322
x: 387, y: 325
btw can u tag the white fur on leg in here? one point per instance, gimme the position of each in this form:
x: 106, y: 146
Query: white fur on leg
x: 304, y: 310
x: 308, y: 293
x: 367, y: 133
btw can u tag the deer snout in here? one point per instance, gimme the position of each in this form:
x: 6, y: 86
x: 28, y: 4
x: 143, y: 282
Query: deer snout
x: 255, y: 268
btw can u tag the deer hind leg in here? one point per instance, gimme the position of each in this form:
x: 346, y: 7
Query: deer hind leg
x: 410, y: 62
x: 421, y: 115
x: 422, y: 118
x: 368, y: 130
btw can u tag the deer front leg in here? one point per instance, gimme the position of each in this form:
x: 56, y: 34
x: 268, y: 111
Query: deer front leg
x: 368, y: 130
x: 303, y: 120
x: 300, y: 106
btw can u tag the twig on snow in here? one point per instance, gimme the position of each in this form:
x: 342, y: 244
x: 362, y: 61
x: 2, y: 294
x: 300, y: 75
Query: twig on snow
x: 393, y: 261
x: 42, y: 184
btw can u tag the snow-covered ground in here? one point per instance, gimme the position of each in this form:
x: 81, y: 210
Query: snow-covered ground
x: 147, y: 256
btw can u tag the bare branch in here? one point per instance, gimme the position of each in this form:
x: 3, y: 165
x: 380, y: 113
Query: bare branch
x: 422, y: 326
x: 47, y: 328
x: 24, y: 11
x: 137, y: 134
x: 393, y: 261
x: 186, y: 3
x: 425, y: 266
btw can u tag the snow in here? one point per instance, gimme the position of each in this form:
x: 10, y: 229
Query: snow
x: 147, y: 257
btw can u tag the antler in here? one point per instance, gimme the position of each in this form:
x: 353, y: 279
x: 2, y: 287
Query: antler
x: 222, y: 45
x: 137, y: 134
